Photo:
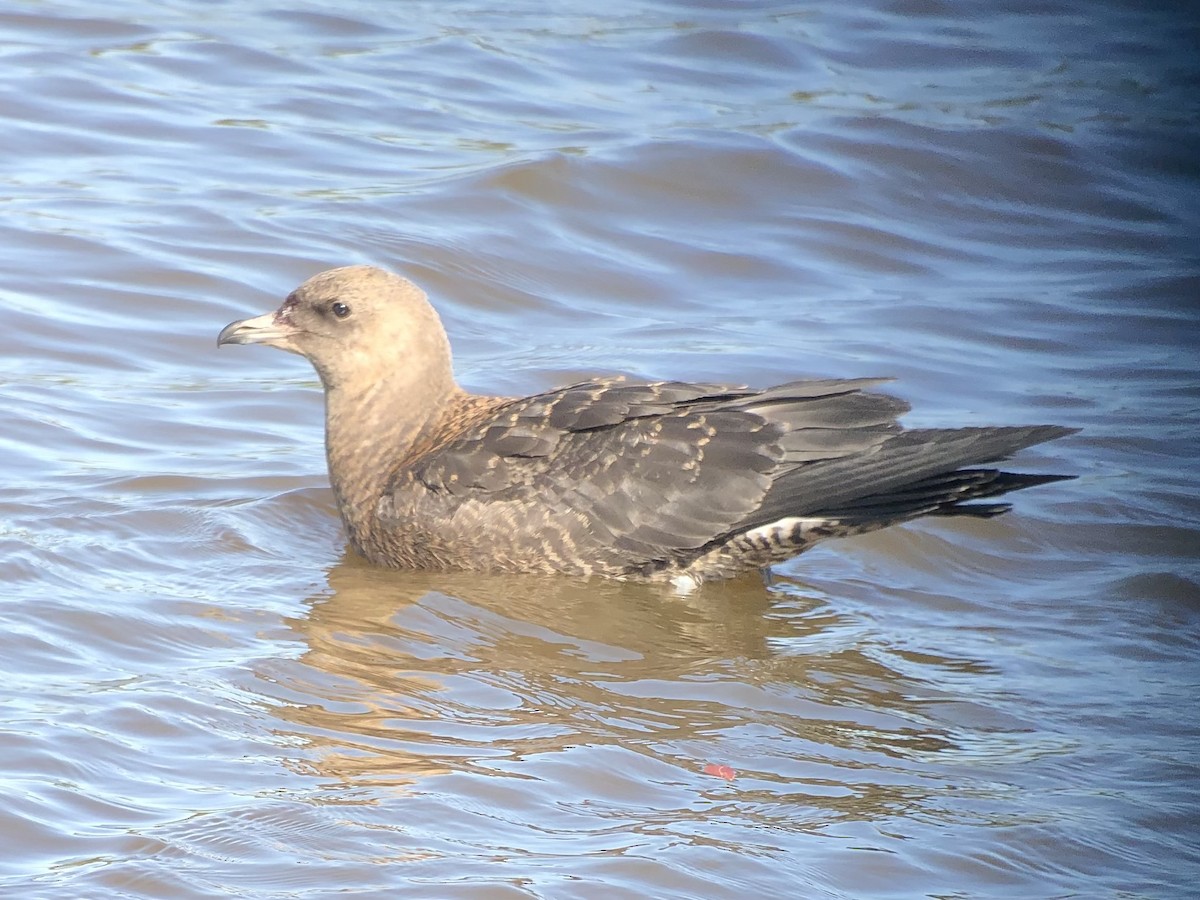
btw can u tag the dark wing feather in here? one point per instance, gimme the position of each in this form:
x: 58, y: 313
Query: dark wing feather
x: 656, y: 470
x: 829, y: 487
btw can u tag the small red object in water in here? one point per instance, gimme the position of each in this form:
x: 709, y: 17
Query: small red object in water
x: 725, y: 772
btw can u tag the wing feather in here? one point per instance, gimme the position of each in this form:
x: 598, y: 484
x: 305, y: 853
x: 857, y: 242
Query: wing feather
x: 628, y: 472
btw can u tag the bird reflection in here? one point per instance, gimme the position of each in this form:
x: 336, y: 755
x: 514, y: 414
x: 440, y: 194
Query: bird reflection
x: 410, y: 675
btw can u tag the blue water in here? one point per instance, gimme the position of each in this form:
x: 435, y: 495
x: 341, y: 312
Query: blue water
x: 206, y: 694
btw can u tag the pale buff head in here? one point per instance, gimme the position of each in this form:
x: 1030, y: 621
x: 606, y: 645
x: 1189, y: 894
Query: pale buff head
x: 357, y: 325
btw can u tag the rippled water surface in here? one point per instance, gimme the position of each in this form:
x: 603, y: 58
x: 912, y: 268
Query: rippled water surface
x: 205, y: 695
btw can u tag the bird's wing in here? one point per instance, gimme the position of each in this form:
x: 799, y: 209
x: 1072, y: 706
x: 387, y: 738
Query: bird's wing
x: 920, y: 470
x: 655, y: 469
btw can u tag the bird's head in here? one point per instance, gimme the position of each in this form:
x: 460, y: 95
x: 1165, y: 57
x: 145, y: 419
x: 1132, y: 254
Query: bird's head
x: 356, y: 325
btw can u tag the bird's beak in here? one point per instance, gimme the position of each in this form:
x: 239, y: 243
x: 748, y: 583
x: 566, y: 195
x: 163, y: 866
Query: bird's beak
x: 264, y: 329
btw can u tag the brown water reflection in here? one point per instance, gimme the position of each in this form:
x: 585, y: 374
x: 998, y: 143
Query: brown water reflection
x: 408, y: 676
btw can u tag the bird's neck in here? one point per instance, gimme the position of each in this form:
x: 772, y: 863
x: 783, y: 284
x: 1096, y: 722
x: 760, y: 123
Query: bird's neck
x: 371, y: 430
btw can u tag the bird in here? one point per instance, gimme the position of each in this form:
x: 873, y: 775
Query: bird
x: 613, y: 477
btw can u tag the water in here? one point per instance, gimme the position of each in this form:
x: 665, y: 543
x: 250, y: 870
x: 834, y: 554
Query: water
x: 204, y: 695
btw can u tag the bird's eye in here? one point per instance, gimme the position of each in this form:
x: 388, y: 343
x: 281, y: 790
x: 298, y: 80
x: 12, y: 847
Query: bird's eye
x: 339, y: 309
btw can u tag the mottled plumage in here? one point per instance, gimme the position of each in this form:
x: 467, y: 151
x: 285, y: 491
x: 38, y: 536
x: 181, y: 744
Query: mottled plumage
x: 612, y: 477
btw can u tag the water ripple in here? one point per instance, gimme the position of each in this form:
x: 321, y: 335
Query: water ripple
x: 207, y: 695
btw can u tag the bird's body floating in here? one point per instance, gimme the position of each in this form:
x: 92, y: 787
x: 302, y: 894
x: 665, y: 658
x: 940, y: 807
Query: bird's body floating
x: 659, y: 481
